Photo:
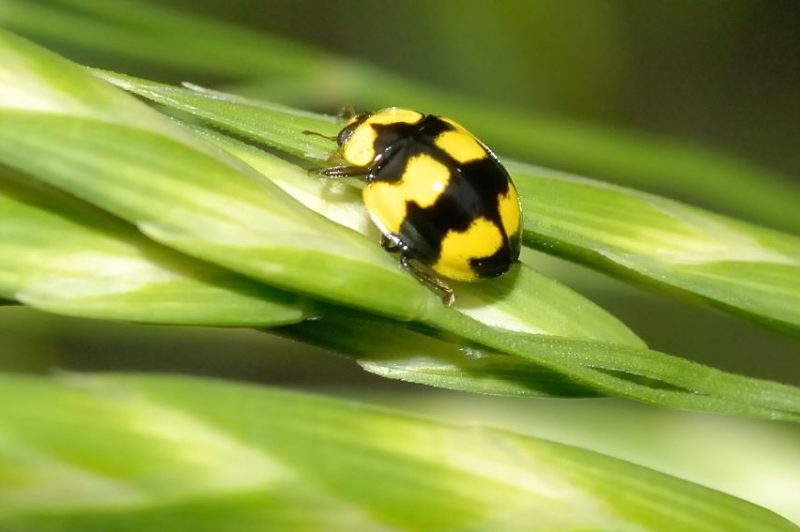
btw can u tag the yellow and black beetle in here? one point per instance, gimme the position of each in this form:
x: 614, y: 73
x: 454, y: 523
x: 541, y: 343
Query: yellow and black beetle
x: 438, y: 195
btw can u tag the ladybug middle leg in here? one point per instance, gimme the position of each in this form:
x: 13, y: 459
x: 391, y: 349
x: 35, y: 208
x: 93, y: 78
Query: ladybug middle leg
x: 341, y: 171
x: 431, y: 281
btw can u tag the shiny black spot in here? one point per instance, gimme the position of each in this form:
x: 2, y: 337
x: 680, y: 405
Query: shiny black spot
x: 493, y: 265
x: 396, y: 143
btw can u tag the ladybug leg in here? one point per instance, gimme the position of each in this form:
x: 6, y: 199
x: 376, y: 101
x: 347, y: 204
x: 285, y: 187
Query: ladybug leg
x: 318, y: 134
x: 341, y: 171
x: 391, y: 243
x: 442, y: 289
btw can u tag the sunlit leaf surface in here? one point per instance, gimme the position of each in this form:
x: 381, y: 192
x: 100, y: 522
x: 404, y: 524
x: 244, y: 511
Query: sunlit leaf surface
x: 63, y: 256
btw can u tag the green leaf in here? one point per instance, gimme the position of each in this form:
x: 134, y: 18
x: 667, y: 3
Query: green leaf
x: 63, y: 256
x: 414, y: 353
x: 644, y: 375
x: 478, y: 358
x: 286, y: 127
x: 639, y: 374
x: 138, y: 453
x: 104, y: 147
x: 202, y: 194
x: 242, y: 116
x: 182, y: 192
x: 521, y: 300
x: 735, y: 266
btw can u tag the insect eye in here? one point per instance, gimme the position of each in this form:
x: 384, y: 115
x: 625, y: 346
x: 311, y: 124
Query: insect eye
x: 345, y: 134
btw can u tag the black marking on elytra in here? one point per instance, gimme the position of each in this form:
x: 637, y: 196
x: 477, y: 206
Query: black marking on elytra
x: 392, y: 163
x: 493, y: 265
x: 422, y: 133
x: 471, y: 194
x: 396, y: 143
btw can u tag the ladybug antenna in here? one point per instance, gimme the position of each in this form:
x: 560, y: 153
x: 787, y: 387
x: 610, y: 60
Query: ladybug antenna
x: 318, y: 134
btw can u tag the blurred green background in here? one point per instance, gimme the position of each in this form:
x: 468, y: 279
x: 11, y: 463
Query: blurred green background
x: 718, y: 73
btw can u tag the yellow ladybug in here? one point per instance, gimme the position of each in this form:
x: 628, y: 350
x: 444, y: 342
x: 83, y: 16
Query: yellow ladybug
x: 438, y: 195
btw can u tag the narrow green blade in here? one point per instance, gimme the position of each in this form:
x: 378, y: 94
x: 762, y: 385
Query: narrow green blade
x: 521, y: 300
x: 738, y: 267
x: 208, y: 198
x: 101, y: 145
x: 63, y: 256
x: 414, y: 353
x: 182, y: 192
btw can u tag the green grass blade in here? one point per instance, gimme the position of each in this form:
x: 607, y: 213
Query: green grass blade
x: 298, y: 74
x: 413, y: 353
x: 241, y: 116
x: 522, y: 300
x: 456, y: 352
x: 206, y: 209
x: 738, y: 267
x: 639, y: 374
x: 62, y: 256
x: 192, y: 190
x: 103, y: 146
x: 216, y: 456
x: 182, y: 192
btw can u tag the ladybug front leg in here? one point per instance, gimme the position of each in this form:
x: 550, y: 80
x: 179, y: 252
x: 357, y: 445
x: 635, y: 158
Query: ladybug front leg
x: 391, y: 243
x: 341, y: 171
